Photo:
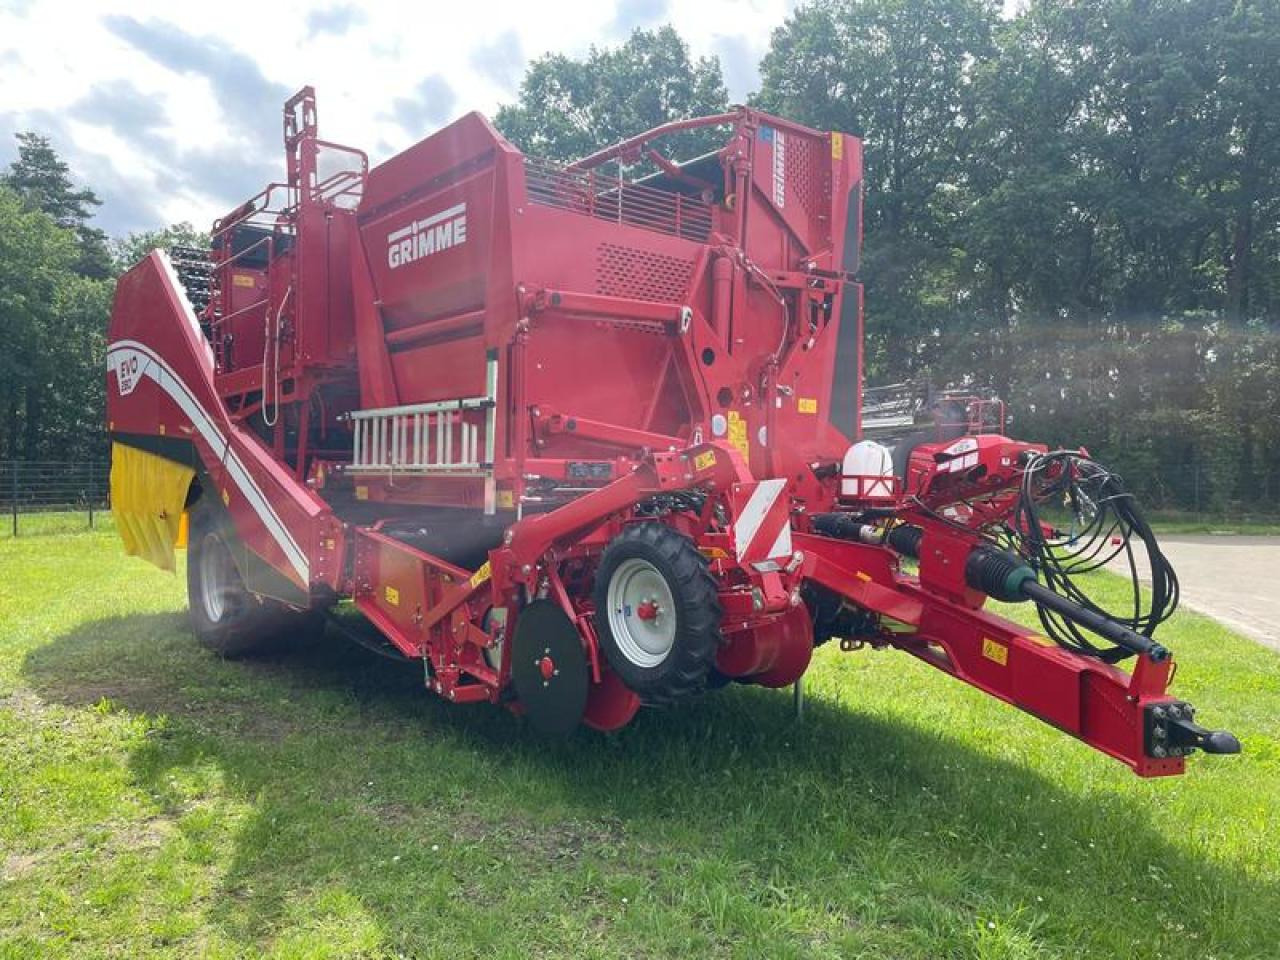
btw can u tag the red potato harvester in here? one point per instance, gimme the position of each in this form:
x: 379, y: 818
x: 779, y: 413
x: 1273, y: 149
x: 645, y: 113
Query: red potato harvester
x: 578, y: 442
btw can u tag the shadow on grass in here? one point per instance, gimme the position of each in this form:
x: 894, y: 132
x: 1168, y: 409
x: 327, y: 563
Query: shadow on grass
x: 348, y: 763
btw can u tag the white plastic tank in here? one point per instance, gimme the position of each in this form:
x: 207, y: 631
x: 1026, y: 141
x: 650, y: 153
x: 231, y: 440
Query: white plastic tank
x: 867, y: 471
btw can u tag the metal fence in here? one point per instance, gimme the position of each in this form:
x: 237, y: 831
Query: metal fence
x: 49, y: 496
x: 53, y: 496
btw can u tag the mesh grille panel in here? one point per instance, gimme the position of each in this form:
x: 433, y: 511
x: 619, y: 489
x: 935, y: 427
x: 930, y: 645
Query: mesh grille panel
x: 641, y: 274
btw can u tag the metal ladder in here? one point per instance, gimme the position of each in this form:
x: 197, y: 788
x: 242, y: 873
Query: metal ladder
x: 430, y: 439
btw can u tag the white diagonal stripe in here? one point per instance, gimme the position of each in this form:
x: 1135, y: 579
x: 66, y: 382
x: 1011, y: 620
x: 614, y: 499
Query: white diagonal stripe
x: 747, y: 525
x: 168, y: 381
x: 782, y: 545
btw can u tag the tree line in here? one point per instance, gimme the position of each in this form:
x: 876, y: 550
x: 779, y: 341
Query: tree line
x: 57, y: 277
x: 1077, y: 207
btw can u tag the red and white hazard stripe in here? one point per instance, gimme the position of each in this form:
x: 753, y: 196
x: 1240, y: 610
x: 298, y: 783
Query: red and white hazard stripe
x: 762, y: 520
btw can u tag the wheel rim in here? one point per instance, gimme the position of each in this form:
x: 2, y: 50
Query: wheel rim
x: 217, y: 578
x: 642, y: 612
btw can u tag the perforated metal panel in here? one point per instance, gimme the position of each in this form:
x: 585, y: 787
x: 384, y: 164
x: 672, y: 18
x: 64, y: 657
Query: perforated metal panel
x: 641, y: 274
x: 804, y: 173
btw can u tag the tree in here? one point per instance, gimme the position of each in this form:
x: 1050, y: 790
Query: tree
x: 43, y: 180
x: 1075, y: 205
x: 895, y: 73
x: 568, y: 108
x: 36, y: 257
x: 126, y: 251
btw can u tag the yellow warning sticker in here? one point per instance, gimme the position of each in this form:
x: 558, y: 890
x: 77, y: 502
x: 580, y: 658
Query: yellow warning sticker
x: 705, y: 460
x: 738, y: 434
x: 995, y: 652
x: 481, y: 575
x: 392, y: 595
x: 242, y: 280
x: 837, y: 146
x: 226, y: 497
x: 506, y: 499
x: 807, y: 404
x: 362, y: 493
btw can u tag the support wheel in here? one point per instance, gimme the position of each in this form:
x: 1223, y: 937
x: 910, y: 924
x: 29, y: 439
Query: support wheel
x: 226, y: 617
x: 657, y: 613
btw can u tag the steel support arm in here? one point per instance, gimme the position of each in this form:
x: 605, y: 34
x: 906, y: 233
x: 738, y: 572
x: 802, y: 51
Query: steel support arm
x: 1127, y: 716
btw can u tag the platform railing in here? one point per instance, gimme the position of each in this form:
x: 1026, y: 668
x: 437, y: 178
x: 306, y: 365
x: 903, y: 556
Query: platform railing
x: 437, y: 438
x: 595, y: 194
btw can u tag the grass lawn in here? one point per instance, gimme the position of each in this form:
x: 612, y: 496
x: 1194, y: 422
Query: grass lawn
x: 41, y: 523
x: 157, y: 801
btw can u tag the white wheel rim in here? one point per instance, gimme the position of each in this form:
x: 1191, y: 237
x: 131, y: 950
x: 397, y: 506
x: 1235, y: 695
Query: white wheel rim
x: 217, y: 578
x: 642, y: 612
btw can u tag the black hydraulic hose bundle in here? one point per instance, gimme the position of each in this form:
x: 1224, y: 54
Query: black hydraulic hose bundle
x: 1034, y: 561
x: 1105, y: 522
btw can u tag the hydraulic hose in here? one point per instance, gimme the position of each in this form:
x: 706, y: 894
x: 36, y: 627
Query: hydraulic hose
x: 1007, y: 577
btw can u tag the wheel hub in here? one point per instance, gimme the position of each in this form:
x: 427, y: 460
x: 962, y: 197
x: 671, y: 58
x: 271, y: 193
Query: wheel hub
x: 640, y: 612
x: 549, y: 668
x: 217, y: 578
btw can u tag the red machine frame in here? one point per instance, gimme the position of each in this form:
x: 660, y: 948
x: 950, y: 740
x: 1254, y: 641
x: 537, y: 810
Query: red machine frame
x: 386, y: 345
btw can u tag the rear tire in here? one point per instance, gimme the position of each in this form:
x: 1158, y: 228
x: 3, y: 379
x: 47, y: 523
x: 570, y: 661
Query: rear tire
x: 657, y: 613
x: 226, y: 617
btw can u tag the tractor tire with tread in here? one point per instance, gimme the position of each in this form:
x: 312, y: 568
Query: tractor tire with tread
x: 227, y: 618
x: 672, y: 668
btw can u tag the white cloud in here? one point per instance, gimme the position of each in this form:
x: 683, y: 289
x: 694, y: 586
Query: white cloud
x: 172, y: 113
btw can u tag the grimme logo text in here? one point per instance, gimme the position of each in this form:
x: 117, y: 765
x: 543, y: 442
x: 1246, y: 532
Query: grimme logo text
x: 422, y: 238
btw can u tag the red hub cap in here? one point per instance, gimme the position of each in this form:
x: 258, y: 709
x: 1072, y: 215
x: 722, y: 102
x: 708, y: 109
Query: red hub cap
x: 647, y: 610
x: 547, y: 667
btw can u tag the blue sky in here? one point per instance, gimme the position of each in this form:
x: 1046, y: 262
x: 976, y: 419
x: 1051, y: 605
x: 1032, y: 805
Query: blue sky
x: 171, y: 111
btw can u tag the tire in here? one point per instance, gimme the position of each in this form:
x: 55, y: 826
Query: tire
x: 226, y: 617
x: 669, y: 653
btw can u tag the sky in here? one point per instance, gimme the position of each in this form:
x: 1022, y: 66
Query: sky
x: 171, y: 111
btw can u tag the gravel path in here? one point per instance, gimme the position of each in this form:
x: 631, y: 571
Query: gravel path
x: 1233, y: 579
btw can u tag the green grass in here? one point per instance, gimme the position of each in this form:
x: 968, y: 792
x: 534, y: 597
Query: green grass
x: 1177, y: 522
x: 157, y: 801
x: 1198, y: 523
x: 55, y: 521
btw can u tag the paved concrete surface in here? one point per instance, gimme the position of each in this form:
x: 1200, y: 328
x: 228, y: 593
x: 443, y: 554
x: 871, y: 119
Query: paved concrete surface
x: 1234, y: 579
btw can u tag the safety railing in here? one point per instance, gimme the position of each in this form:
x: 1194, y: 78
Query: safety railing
x: 595, y: 194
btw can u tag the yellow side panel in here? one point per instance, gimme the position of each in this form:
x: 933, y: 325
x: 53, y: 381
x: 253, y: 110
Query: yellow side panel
x: 147, y: 496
